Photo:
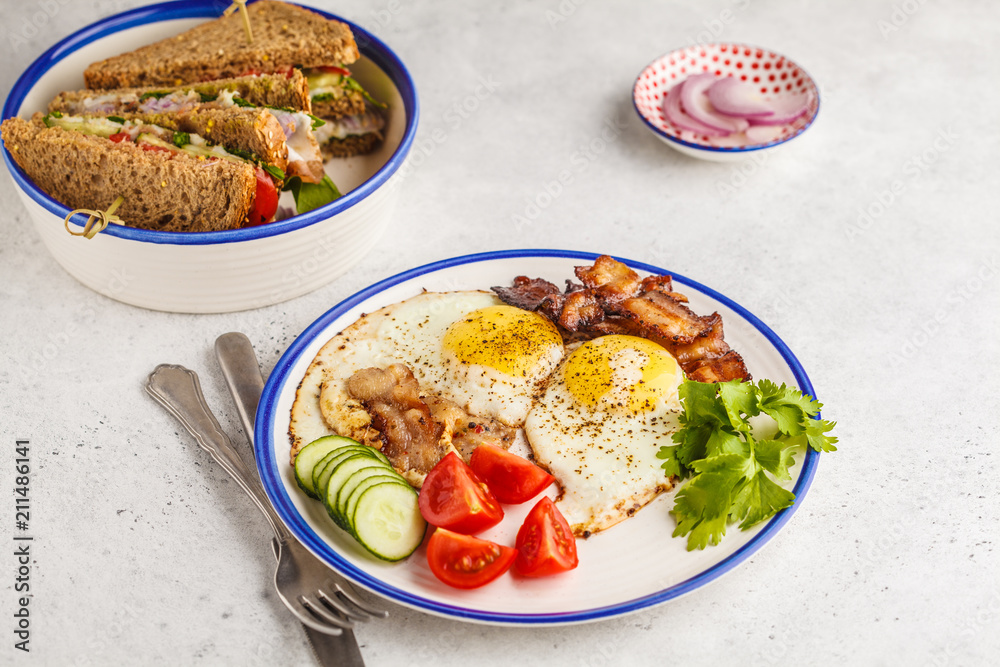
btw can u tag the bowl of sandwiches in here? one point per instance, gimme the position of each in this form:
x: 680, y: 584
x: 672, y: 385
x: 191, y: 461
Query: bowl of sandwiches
x: 182, y: 158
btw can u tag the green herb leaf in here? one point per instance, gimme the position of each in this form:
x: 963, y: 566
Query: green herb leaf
x: 155, y: 94
x: 311, y: 195
x: 205, y: 97
x: 117, y: 119
x: 275, y: 172
x: 729, y: 473
x: 181, y: 139
x: 351, y: 84
x: 240, y: 102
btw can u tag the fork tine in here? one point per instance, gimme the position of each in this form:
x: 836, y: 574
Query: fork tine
x: 321, y: 612
x: 338, y: 604
x: 346, y: 593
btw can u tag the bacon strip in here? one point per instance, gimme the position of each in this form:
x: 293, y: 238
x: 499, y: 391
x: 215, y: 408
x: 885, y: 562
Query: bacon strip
x: 615, y: 300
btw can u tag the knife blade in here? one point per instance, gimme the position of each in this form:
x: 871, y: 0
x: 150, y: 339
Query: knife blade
x: 246, y: 384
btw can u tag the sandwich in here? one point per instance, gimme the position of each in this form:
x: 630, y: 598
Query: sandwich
x: 286, y: 38
x: 200, y: 169
x: 285, y: 98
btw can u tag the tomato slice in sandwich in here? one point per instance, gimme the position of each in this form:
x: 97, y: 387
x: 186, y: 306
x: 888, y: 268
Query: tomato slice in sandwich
x: 545, y: 543
x: 464, y: 561
x: 265, y: 202
x: 513, y: 479
x: 453, y: 497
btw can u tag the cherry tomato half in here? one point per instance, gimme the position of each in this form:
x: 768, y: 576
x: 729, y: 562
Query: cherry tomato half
x: 512, y: 479
x: 156, y: 149
x: 119, y: 137
x: 265, y: 202
x: 464, y: 561
x: 545, y: 543
x: 453, y: 497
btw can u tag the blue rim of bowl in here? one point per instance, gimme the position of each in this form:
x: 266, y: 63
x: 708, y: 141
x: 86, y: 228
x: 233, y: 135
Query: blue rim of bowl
x: 370, y: 46
x: 267, y: 463
x: 725, y: 149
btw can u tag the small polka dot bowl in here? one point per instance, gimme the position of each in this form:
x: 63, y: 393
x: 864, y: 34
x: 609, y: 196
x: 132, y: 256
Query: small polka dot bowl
x: 772, y: 78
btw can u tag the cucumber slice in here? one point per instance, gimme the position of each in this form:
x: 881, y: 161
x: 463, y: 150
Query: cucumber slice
x: 341, y: 473
x: 325, y: 468
x: 387, y: 521
x: 311, y: 454
x: 350, y: 504
x: 357, y: 480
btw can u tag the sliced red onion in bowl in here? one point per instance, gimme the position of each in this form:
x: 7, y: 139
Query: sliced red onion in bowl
x: 694, y: 102
x: 675, y: 114
x: 732, y: 97
x: 786, y: 109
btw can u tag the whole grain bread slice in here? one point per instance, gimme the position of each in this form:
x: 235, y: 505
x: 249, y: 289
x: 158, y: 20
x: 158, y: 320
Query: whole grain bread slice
x: 284, y: 35
x: 168, y: 192
x: 270, y: 90
x: 255, y: 131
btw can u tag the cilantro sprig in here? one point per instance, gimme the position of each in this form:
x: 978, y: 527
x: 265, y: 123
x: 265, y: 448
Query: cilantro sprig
x: 730, y: 473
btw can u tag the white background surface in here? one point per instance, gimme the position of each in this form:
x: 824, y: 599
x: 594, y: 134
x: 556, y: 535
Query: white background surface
x: 146, y: 553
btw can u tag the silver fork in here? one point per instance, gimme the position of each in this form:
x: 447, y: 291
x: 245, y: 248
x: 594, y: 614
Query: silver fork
x: 300, y: 578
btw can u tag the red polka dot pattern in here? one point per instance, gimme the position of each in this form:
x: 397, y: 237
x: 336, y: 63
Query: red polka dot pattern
x: 723, y: 60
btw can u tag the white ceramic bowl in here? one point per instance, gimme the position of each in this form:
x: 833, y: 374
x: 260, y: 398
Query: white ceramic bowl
x: 214, y: 272
x: 777, y: 76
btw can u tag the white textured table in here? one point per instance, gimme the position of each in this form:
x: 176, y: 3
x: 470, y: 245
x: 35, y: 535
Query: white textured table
x: 870, y: 245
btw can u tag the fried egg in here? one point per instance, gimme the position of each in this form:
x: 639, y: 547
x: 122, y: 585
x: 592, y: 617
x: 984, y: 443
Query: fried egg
x: 608, y: 408
x: 467, y: 347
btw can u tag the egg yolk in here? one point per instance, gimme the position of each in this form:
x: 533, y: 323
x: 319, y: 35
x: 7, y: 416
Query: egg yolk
x: 508, y: 339
x: 622, y: 373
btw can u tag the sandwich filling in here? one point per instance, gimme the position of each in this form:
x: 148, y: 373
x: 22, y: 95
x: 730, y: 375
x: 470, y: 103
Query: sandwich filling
x: 304, y: 157
x: 331, y: 87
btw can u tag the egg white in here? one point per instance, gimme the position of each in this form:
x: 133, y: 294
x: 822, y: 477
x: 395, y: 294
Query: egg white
x: 603, y: 455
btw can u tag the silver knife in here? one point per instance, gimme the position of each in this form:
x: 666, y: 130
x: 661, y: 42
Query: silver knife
x: 246, y: 383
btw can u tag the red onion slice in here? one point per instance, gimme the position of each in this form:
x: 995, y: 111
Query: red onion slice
x: 672, y: 110
x: 694, y: 102
x: 733, y: 97
x: 786, y: 109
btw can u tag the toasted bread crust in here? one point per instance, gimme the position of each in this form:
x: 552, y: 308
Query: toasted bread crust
x: 166, y: 192
x: 271, y: 90
x: 355, y: 144
x: 284, y: 35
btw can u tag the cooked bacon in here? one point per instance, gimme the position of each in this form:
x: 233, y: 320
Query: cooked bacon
x: 708, y: 345
x: 415, y: 433
x: 580, y: 310
x: 527, y: 293
x: 729, y: 366
x: 411, y: 437
x: 613, y: 299
x: 661, y: 316
x: 611, y: 280
x: 466, y: 432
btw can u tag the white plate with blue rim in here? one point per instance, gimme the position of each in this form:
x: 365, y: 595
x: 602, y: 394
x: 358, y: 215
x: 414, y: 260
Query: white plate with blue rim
x: 629, y: 567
